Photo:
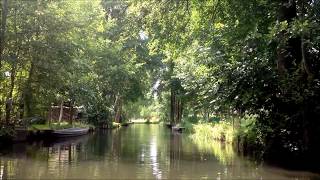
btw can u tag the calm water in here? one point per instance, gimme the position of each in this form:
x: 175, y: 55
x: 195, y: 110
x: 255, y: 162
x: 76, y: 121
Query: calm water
x: 135, y: 152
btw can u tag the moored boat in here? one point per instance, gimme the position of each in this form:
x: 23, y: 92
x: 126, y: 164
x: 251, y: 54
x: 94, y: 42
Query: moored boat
x: 177, y: 128
x: 126, y: 123
x: 70, y: 132
x: 169, y: 125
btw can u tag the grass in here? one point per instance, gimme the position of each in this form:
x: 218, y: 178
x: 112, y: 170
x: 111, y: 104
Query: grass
x: 221, y: 131
x: 55, y: 126
x: 243, y: 134
x: 146, y: 121
x: 39, y: 127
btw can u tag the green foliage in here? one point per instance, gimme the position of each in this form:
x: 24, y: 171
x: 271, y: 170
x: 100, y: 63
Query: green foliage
x: 250, y: 133
x: 100, y: 118
x: 76, y: 51
x: 235, y: 57
x: 7, y: 132
x: 146, y: 109
x: 188, y: 125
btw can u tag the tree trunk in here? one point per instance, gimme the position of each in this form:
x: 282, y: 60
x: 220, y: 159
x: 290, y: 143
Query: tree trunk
x: 71, y: 113
x: 10, y: 95
x: 27, y: 94
x: 9, y: 103
x: 4, y: 9
x: 4, y: 14
x: 61, y: 112
x: 175, y: 109
x: 286, y: 12
x: 172, y: 107
x: 115, y: 109
x: 180, y: 111
x: 21, y: 108
x: 50, y: 114
x: 118, y: 109
x: 304, y: 60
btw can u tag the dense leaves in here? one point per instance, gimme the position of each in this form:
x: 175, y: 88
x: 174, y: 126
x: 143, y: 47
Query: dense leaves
x: 253, y: 57
x: 77, y: 51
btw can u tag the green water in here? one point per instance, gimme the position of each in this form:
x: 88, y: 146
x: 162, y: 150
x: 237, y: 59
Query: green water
x: 134, y: 152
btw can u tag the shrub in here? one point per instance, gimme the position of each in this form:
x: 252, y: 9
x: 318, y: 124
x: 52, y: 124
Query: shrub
x: 250, y: 136
x: 7, y: 132
x: 222, y: 131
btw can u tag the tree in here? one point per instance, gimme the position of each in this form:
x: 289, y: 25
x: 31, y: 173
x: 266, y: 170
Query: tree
x: 255, y: 57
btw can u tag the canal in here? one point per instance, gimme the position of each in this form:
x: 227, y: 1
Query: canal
x: 139, y: 151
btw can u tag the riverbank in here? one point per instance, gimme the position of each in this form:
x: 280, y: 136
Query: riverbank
x: 247, y: 140
x: 145, y: 121
x: 11, y: 134
x: 242, y: 132
x: 56, y: 126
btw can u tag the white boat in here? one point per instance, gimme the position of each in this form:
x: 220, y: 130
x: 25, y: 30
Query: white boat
x: 70, y: 132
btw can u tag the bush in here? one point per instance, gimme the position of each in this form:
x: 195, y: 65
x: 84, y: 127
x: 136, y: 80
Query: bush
x: 100, y: 119
x: 250, y: 136
x: 188, y: 126
x: 7, y: 132
x: 222, y: 131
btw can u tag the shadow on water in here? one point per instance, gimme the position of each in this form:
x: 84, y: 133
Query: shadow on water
x: 139, y: 151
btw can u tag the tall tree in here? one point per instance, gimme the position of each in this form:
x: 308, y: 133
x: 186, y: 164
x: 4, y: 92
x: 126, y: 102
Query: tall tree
x: 4, y: 14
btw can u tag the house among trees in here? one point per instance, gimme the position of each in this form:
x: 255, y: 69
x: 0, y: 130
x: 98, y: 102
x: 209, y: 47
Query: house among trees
x: 65, y: 112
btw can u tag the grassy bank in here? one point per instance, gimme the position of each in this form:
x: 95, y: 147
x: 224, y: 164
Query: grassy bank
x: 214, y: 137
x: 221, y: 131
x: 146, y: 121
x: 242, y: 132
x: 55, y: 126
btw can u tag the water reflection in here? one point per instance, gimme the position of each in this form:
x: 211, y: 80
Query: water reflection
x: 139, y: 151
x: 223, y: 152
